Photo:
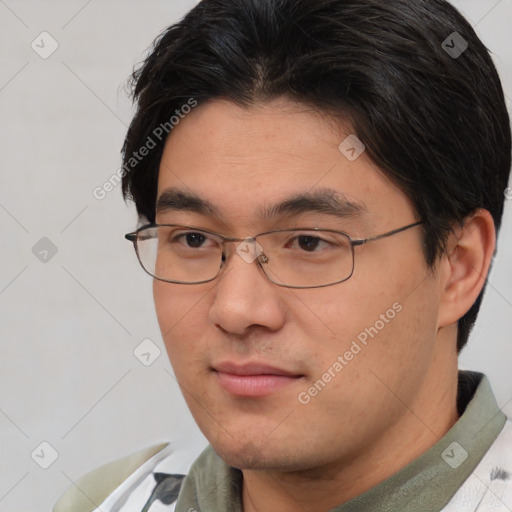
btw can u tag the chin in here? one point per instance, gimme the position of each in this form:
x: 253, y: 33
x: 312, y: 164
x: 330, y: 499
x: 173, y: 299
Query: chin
x: 250, y: 455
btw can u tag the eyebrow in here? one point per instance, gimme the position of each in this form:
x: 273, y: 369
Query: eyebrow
x: 176, y: 199
x: 324, y: 200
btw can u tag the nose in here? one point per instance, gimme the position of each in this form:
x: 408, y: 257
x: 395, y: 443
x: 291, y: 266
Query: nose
x: 244, y: 297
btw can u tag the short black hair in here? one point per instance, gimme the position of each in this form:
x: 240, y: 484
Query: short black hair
x: 434, y: 121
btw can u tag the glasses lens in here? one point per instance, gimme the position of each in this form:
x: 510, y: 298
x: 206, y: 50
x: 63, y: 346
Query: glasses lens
x: 181, y: 255
x: 307, y: 258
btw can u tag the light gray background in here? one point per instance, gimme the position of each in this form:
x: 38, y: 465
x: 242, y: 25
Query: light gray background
x: 69, y: 326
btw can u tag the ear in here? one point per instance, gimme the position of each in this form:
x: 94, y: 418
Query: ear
x: 465, y: 264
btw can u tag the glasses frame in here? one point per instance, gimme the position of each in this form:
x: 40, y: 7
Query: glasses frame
x: 261, y: 259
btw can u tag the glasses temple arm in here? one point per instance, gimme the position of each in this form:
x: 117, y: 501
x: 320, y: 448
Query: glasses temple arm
x: 361, y: 241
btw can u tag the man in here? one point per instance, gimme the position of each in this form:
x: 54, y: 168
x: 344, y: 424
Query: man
x: 320, y: 184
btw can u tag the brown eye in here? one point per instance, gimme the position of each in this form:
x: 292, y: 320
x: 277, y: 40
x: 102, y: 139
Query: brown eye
x: 194, y: 239
x: 308, y: 243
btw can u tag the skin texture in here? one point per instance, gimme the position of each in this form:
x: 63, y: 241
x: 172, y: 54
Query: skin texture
x: 397, y: 396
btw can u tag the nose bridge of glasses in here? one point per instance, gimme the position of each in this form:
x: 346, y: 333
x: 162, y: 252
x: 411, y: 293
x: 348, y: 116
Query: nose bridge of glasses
x: 247, y: 248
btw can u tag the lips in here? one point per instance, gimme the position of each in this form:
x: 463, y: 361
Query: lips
x: 253, y: 379
x: 252, y: 369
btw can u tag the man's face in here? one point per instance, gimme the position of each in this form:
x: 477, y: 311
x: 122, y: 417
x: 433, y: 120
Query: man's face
x: 352, y: 360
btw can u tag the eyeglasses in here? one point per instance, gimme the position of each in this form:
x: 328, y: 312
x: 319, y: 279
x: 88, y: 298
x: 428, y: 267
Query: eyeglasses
x: 294, y: 258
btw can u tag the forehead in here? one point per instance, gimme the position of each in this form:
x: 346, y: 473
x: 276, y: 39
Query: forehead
x: 242, y: 161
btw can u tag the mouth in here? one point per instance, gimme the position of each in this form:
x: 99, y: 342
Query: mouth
x: 253, y: 379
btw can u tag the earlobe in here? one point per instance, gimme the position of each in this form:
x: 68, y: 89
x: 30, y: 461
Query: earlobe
x: 465, y: 265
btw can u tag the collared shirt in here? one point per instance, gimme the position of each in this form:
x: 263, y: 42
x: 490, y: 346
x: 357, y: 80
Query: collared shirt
x: 427, y: 484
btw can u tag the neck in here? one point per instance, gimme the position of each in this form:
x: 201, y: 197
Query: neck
x: 423, y: 424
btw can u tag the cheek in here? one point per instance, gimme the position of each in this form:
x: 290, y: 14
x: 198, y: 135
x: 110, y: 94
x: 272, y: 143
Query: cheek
x: 397, y: 332
x: 390, y: 315
x: 167, y: 305
x: 181, y: 315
